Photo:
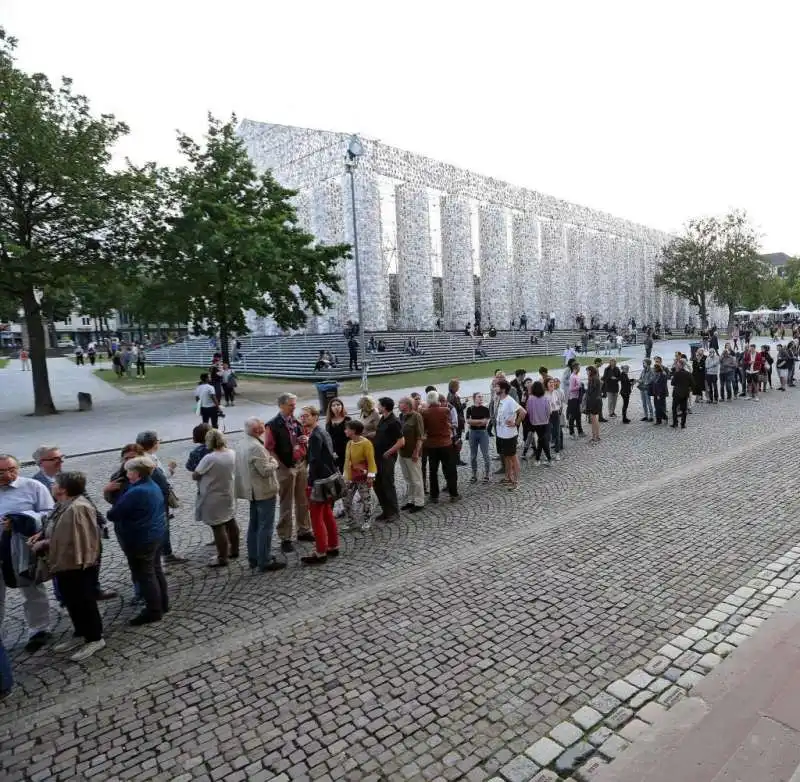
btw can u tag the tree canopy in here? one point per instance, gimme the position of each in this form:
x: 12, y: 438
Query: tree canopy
x: 228, y: 240
x: 714, y: 258
x: 65, y: 216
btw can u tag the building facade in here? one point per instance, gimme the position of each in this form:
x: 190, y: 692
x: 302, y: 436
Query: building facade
x: 437, y: 242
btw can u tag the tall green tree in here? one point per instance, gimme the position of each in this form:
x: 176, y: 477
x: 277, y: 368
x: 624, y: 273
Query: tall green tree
x: 64, y: 215
x: 229, y: 241
x: 739, y: 268
x: 689, y: 265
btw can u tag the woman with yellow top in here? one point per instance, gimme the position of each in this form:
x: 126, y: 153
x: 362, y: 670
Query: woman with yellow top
x: 359, y: 472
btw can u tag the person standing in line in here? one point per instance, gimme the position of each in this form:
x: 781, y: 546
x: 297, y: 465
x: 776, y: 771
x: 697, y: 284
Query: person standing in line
x: 728, y: 371
x: 285, y: 440
x: 611, y: 377
x: 478, y: 417
x: 335, y: 420
x: 660, y: 390
x: 625, y: 387
x: 413, y: 430
x: 216, y: 497
x: 699, y: 374
x: 681, y: 391
x: 71, y: 540
x: 359, y: 474
x: 712, y: 376
x: 208, y: 401
x: 439, y: 446
x: 388, y: 441
x: 538, y: 416
x: 574, y: 395
x: 782, y: 365
x: 139, y: 519
x: 557, y: 402
x: 24, y: 360
x: 753, y: 367
x: 508, y: 416
x: 322, y: 476
x: 594, y: 401
x: 454, y: 400
x: 256, y: 480
x: 24, y: 506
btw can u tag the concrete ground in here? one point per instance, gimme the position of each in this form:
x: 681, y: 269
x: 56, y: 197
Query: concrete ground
x: 510, y: 636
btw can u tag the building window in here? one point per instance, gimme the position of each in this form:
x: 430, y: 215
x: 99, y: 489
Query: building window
x: 86, y: 321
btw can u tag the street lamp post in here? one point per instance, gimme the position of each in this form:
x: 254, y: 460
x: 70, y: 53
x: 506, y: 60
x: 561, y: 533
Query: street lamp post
x: 355, y: 150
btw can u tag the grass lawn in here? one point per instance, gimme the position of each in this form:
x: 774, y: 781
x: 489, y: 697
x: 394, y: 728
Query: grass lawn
x: 265, y: 389
x: 3, y: 363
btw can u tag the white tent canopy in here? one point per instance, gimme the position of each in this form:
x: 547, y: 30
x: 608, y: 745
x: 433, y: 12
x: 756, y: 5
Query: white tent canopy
x: 763, y: 311
x: 742, y: 312
x: 790, y: 309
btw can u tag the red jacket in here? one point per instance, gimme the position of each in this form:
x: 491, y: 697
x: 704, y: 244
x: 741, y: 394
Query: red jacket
x: 754, y: 363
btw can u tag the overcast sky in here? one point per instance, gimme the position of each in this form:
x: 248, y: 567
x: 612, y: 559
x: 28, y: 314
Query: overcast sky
x: 651, y: 111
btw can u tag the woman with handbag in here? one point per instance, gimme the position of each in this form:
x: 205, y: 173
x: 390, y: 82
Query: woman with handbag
x: 324, y: 487
x: 69, y: 548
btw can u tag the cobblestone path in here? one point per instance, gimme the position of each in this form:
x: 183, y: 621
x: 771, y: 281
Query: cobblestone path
x: 437, y: 648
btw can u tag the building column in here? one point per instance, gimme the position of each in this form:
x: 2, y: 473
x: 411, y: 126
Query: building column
x: 414, y: 277
x: 374, y: 281
x: 495, y: 268
x: 554, y: 263
x: 327, y: 221
x: 458, y: 289
x: 527, y: 266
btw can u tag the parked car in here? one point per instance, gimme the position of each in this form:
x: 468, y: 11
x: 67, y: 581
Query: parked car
x: 65, y: 343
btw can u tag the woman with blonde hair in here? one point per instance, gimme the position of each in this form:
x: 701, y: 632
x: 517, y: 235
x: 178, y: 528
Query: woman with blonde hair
x: 370, y: 416
x: 216, y: 497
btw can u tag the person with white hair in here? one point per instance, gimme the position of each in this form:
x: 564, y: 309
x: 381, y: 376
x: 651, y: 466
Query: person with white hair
x: 256, y: 480
x: 439, y: 446
x: 24, y: 505
x: 139, y: 518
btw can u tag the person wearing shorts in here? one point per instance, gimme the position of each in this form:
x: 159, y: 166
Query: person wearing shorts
x: 507, y: 417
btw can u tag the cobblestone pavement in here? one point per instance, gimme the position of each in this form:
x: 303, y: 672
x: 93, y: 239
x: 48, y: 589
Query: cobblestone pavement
x: 438, y: 648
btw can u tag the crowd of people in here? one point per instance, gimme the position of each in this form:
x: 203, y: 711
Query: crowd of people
x: 309, y: 477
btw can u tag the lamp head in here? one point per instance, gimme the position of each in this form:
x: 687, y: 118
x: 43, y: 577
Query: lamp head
x: 355, y: 148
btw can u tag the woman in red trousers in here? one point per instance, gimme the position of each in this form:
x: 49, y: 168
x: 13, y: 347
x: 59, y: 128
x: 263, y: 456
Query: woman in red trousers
x: 322, y: 475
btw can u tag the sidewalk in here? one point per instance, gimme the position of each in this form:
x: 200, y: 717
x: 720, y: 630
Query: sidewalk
x: 741, y: 723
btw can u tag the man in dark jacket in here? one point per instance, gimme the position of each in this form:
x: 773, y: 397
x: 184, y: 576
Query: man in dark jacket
x: 388, y: 441
x: 611, y: 378
x: 352, y: 349
x: 682, y: 384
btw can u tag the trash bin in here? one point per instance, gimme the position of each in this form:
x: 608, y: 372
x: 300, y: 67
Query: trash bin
x: 693, y: 348
x: 327, y: 392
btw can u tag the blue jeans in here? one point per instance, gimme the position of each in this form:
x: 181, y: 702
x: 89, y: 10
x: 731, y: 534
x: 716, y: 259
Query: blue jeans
x: 647, y: 403
x: 6, y: 679
x: 259, y: 532
x: 479, y: 439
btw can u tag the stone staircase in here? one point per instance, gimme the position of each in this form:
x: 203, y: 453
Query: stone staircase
x: 294, y: 356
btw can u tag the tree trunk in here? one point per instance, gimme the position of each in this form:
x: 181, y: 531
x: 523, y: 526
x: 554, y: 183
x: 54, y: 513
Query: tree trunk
x: 730, y: 318
x: 703, y: 313
x: 222, y: 320
x: 42, y: 396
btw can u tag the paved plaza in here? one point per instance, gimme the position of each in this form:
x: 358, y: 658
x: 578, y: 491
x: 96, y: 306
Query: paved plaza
x: 442, y: 647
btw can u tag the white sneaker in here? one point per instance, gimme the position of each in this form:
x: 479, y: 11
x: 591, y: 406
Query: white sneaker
x: 557, y: 457
x: 88, y: 650
x: 71, y: 643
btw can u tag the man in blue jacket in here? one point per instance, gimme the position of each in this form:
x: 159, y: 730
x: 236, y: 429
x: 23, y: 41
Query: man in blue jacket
x: 140, y: 522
